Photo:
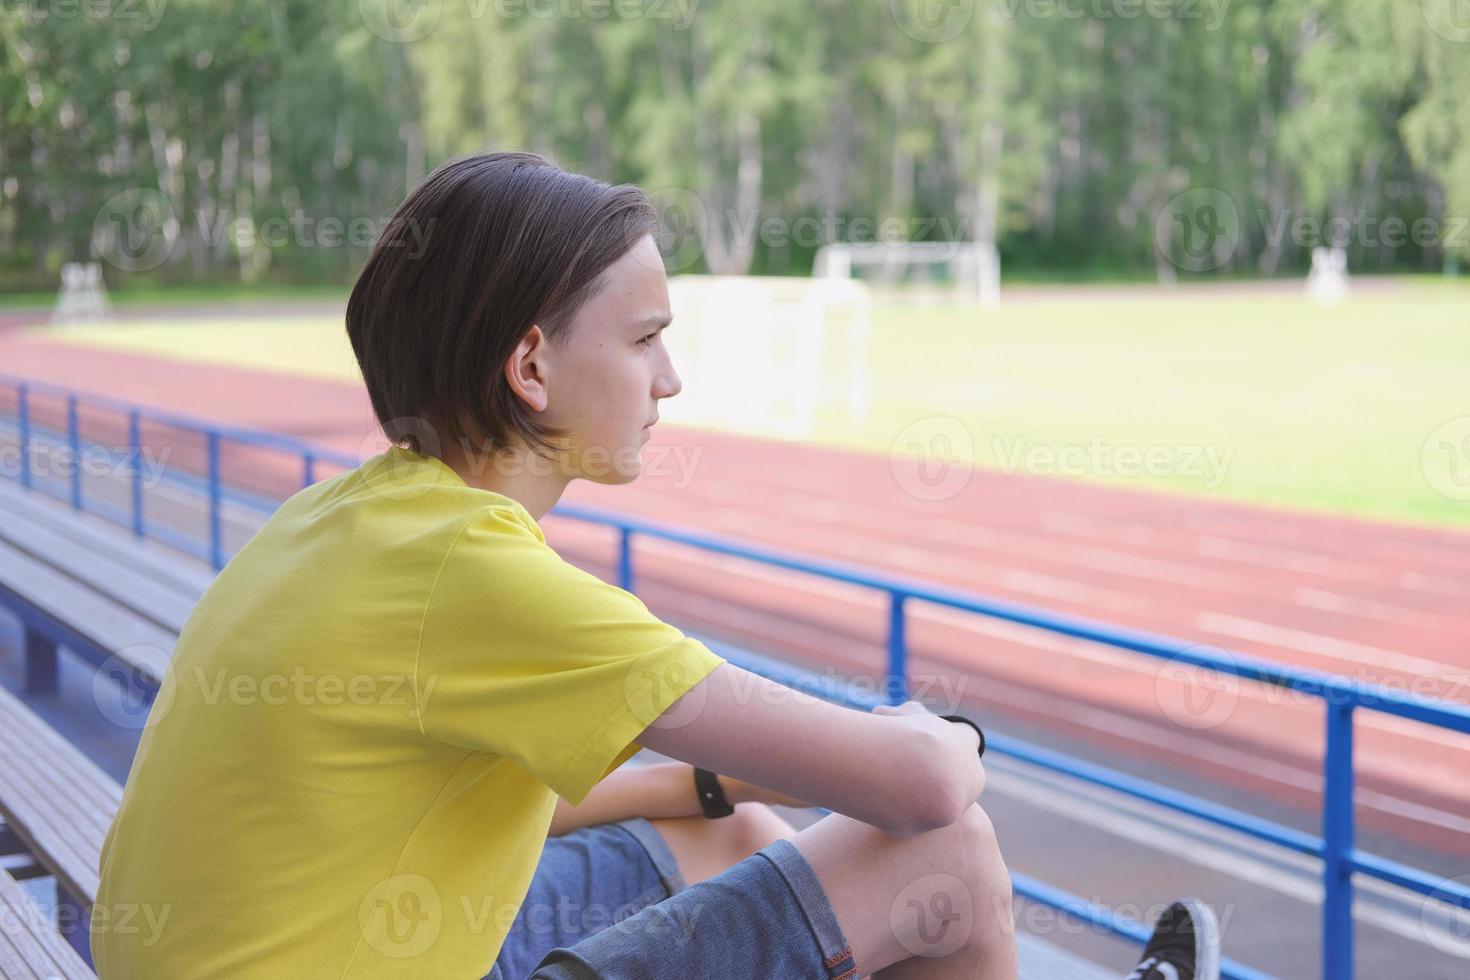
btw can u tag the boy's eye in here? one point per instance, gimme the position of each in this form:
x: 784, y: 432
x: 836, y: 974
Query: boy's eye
x: 647, y: 340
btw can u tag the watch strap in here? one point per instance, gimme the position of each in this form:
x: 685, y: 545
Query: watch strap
x: 712, y: 798
x: 965, y: 721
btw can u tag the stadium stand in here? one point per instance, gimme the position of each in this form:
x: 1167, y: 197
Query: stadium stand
x: 57, y: 805
x: 29, y: 948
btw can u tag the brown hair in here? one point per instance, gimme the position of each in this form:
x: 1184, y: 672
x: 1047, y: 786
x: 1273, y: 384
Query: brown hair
x: 487, y: 246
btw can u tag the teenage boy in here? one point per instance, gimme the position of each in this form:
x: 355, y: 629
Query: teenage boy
x: 396, y: 690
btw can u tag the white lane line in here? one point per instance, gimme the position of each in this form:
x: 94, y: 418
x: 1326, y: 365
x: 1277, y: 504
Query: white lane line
x: 1420, y: 582
x: 1444, y: 550
x: 1314, y: 565
x: 1381, y: 612
x: 1325, y: 646
x: 1103, y: 559
x: 1224, y: 549
x: 1264, y: 558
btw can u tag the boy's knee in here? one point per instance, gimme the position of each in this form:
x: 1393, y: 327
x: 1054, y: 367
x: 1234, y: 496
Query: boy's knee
x: 754, y: 825
x: 990, y: 881
x: 974, y: 823
x: 982, y: 844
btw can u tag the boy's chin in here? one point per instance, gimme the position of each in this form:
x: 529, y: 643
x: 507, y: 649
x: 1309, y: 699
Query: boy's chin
x: 624, y: 467
x: 612, y: 479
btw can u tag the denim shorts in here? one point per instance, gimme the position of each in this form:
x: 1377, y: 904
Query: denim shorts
x: 608, y: 902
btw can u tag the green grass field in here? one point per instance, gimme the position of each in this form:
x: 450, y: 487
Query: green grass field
x: 1261, y: 397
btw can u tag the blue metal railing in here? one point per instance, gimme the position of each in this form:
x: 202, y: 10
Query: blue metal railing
x: 1342, y: 697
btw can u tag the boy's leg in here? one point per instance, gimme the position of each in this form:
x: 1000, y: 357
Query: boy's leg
x: 937, y: 904
x: 704, y: 848
x: 584, y: 881
x: 839, y: 899
x: 1185, y: 944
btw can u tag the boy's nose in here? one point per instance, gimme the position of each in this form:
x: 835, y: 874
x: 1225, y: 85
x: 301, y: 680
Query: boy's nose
x: 668, y: 383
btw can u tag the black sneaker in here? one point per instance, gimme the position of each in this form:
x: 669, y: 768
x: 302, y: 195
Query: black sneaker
x: 1185, y: 945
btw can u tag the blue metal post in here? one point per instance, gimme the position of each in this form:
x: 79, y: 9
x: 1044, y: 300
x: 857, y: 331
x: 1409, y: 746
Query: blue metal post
x: 308, y: 470
x: 216, y: 545
x: 896, y: 684
x: 1337, y: 844
x: 76, y: 923
x: 23, y: 413
x: 135, y: 451
x: 74, y: 440
x: 625, y: 558
x: 42, y: 670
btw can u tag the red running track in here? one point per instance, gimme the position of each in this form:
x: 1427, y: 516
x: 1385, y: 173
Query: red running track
x: 1382, y: 602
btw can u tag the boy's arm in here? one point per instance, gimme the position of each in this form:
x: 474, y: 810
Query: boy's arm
x: 656, y: 791
x: 902, y: 770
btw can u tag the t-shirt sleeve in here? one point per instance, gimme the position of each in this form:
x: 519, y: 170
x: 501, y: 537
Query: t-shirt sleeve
x: 525, y: 655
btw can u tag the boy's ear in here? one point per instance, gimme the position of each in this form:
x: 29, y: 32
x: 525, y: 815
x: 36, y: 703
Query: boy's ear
x: 525, y: 369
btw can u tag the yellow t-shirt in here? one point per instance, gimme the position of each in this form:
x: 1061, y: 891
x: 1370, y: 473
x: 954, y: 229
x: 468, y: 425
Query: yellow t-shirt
x: 352, y: 766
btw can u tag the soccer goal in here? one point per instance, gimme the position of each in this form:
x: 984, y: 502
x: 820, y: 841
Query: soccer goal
x: 1327, y: 283
x: 770, y: 354
x: 963, y: 272
x: 83, y: 295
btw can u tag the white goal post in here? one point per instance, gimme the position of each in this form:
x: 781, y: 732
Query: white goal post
x: 83, y: 295
x: 1327, y: 283
x: 975, y: 266
x: 769, y: 354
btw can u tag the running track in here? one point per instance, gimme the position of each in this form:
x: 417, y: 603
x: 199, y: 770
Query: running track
x: 1380, y: 602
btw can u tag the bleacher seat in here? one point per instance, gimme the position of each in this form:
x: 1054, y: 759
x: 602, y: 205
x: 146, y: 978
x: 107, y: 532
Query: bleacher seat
x: 30, y: 949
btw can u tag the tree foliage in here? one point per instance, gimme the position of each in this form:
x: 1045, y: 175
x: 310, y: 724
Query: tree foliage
x: 1059, y: 128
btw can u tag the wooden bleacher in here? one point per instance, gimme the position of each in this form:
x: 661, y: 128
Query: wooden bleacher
x: 30, y: 948
x: 89, y: 587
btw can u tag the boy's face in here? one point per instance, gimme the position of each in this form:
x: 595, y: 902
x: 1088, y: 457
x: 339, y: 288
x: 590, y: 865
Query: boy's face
x: 605, y: 375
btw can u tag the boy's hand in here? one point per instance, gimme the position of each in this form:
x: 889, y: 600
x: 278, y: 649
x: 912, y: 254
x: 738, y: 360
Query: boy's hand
x: 958, y: 734
x: 929, y: 719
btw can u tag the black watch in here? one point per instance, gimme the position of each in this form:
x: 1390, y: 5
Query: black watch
x: 965, y: 721
x: 711, y: 795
